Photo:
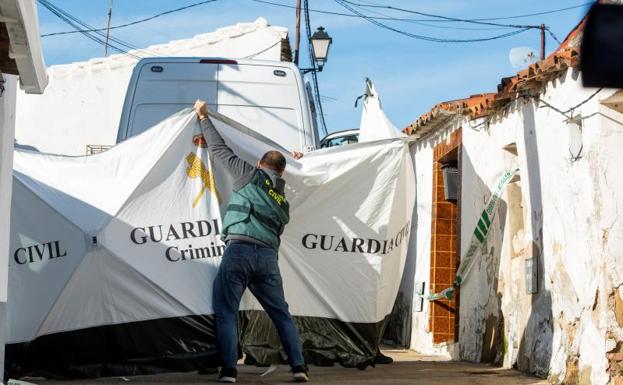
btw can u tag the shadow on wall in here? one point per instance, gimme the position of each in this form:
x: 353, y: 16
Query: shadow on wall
x: 482, y: 321
x: 535, y: 347
x: 508, y: 319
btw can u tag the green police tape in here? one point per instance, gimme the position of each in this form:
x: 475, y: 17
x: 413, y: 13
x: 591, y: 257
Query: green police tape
x: 478, y: 238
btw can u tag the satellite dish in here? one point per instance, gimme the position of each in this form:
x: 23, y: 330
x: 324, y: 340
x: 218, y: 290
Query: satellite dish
x: 521, y: 57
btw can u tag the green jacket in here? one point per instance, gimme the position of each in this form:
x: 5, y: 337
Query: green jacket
x: 258, y: 211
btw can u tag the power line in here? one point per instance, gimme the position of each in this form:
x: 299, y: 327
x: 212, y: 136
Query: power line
x: 62, y: 15
x: 537, y: 13
x: 313, y: 63
x: 344, y: 4
x: 415, y: 21
x: 106, y: 36
x: 571, y: 109
x: 133, y: 22
x: 475, y: 21
x: 549, y: 31
x: 262, y: 51
x: 326, y: 12
x: 79, y: 25
x: 448, y: 18
x: 499, y: 18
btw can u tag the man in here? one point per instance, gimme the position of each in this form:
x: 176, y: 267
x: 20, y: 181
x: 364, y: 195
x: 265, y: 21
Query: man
x: 252, y: 225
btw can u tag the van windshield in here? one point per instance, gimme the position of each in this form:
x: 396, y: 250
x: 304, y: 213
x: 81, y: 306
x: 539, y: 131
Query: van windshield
x: 263, y: 97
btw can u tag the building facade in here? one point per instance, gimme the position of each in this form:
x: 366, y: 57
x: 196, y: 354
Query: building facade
x: 545, y: 294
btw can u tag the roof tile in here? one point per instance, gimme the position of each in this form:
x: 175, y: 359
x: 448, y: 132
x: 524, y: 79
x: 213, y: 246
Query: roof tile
x: 532, y: 78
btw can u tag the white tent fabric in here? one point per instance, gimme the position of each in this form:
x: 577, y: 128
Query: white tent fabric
x: 133, y: 234
x: 374, y: 123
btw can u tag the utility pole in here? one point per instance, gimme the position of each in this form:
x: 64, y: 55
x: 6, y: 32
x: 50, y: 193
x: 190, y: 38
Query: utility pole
x: 297, y: 38
x: 542, y: 28
x: 108, y: 28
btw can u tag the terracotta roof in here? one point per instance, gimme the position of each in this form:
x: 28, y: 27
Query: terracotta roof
x: 532, y: 79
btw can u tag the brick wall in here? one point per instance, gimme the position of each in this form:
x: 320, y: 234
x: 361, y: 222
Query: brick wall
x: 443, y: 320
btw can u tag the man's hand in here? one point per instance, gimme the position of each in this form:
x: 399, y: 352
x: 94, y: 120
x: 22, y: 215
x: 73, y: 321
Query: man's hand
x: 201, y: 108
x: 296, y: 155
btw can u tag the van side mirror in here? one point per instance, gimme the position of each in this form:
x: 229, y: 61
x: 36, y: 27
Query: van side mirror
x: 602, y: 47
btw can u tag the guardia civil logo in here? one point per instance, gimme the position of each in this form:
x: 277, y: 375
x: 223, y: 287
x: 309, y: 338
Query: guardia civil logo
x: 197, y: 170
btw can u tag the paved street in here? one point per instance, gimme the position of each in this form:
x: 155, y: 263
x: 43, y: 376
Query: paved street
x: 409, y: 368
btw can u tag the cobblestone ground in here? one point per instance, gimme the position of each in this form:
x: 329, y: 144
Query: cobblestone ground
x: 408, y: 368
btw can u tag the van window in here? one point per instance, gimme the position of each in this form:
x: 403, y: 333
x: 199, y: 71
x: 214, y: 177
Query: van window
x: 263, y: 101
x: 264, y: 98
x: 172, y: 87
x: 340, y: 141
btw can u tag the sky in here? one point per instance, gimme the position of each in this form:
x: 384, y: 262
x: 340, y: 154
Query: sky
x: 410, y: 75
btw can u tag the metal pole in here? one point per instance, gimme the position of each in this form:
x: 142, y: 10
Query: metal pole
x: 297, y: 43
x: 108, y: 28
x: 542, y: 41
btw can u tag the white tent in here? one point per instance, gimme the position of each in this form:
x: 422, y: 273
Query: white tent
x: 113, y: 255
x: 374, y: 123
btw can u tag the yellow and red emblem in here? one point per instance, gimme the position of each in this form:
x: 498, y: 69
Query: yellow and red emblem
x: 198, y: 170
x: 200, y: 141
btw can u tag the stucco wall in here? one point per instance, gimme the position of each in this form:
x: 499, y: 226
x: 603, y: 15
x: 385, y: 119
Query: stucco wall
x: 483, y: 161
x: 563, y: 212
x: 83, y: 101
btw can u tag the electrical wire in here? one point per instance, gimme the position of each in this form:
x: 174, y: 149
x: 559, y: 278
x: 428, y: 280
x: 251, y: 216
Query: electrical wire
x: 537, y: 13
x: 549, y: 31
x: 584, y: 101
x: 133, y: 22
x: 344, y: 3
x: 313, y: 63
x: 81, y: 24
x: 572, y: 109
x: 475, y: 21
x: 262, y: 51
x: 61, y: 15
x: 425, y: 20
x: 381, y: 17
x: 325, y: 12
x: 448, y: 18
x: 415, y: 21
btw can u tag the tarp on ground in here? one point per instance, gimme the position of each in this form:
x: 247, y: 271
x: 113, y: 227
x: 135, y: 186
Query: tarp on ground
x: 113, y: 256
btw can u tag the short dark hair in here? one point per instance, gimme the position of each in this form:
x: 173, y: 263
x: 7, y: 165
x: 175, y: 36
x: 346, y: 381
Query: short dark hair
x: 274, y: 160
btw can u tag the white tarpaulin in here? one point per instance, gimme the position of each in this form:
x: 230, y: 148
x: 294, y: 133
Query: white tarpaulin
x: 113, y: 256
x: 374, y: 123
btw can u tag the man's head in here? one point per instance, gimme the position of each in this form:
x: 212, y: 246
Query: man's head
x: 273, y: 160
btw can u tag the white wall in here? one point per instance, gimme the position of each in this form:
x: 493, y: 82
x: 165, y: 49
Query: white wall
x: 565, y: 213
x: 493, y: 297
x: 7, y: 129
x: 83, y: 101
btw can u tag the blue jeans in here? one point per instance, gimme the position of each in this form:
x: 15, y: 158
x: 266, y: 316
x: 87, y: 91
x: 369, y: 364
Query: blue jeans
x: 253, y: 266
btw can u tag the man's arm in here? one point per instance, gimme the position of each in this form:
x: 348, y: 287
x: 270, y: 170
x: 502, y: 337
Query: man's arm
x: 217, y: 147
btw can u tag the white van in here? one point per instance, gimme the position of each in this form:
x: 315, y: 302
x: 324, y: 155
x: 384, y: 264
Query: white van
x: 267, y: 96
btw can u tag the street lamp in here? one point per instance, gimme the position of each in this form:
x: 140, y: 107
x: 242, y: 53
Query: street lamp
x: 320, y: 42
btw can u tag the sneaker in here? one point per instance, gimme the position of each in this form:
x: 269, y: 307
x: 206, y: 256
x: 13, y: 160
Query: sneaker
x: 228, y: 375
x: 382, y: 359
x: 300, y: 374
